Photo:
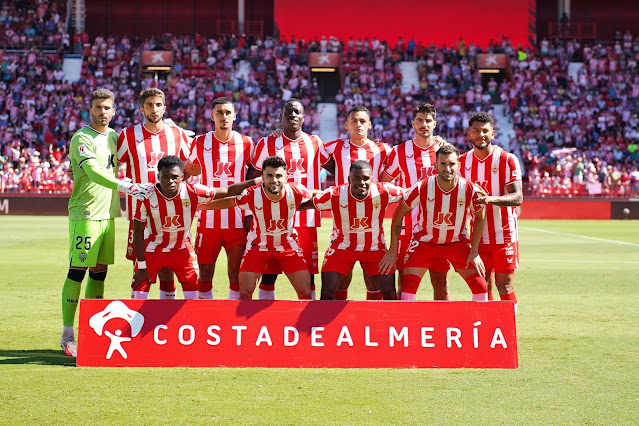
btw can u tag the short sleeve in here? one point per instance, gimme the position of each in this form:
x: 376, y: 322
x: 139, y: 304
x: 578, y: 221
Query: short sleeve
x: 301, y: 192
x: 193, y: 158
x: 83, y: 149
x: 395, y: 193
x: 204, y: 193
x: 242, y: 200
x: 392, y: 169
x: 140, y: 213
x: 514, y: 170
x: 123, y: 147
x: 411, y: 197
x: 185, y: 146
x: 323, y: 201
x: 261, y: 154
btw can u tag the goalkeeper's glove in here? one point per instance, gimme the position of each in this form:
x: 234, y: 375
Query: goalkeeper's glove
x: 141, y: 191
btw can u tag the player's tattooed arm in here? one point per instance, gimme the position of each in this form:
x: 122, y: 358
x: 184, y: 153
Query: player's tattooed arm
x: 514, y: 197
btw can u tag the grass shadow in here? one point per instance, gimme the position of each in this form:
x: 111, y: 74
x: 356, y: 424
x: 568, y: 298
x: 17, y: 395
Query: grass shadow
x: 35, y: 357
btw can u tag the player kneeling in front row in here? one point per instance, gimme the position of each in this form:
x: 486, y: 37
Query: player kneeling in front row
x: 447, y: 202
x: 272, y: 238
x: 358, y: 214
x: 167, y: 216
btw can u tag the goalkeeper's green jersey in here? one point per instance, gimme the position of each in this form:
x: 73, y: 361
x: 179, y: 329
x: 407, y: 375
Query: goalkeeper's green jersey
x: 89, y: 200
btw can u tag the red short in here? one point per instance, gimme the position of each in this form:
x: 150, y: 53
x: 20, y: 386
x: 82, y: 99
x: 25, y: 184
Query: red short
x: 307, y: 237
x: 500, y: 258
x: 422, y: 255
x: 209, y: 242
x: 130, y: 250
x: 182, y: 262
x: 436, y: 265
x: 343, y: 261
x: 288, y: 261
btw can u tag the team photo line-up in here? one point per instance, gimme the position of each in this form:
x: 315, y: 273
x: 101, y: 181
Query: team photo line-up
x: 262, y: 203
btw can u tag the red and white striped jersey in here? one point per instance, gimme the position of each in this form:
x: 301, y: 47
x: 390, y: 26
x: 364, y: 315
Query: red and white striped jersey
x: 443, y: 216
x: 493, y: 174
x: 412, y: 164
x: 272, y: 227
x: 346, y: 153
x: 304, y: 157
x: 223, y: 163
x: 168, y: 221
x: 357, y: 224
x: 141, y: 150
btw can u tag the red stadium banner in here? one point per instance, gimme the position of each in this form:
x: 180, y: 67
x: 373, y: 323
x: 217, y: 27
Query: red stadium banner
x: 152, y: 58
x: 327, y: 60
x: 333, y: 334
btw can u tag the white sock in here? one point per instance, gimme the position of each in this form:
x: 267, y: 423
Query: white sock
x: 480, y: 297
x: 205, y: 294
x: 143, y: 295
x: 190, y: 295
x: 408, y: 296
x: 265, y: 294
x: 234, y: 295
x: 515, y: 308
x: 167, y: 295
x: 67, y: 332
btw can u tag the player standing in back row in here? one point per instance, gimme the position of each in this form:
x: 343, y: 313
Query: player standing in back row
x: 499, y: 174
x: 93, y: 205
x: 141, y: 147
x: 223, y: 156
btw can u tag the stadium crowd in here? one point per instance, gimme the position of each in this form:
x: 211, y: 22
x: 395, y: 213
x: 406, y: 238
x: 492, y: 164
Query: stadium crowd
x: 576, y: 136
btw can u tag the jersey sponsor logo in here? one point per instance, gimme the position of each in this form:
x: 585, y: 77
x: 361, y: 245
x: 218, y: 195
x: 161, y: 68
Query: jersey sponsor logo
x: 510, y: 250
x: 116, y: 309
x: 360, y: 224
x: 186, y: 203
x: 461, y: 201
x: 483, y: 184
x: 154, y: 157
x: 443, y: 221
x: 276, y: 227
x: 173, y: 221
x: 495, y: 168
x: 296, y: 167
x: 223, y: 171
x: 82, y: 149
x: 425, y: 172
x: 110, y: 162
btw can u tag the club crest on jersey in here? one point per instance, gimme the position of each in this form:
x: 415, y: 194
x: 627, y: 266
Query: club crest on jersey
x: 291, y: 205
x: 82, y: 256
x: 187, y: 203
x: 461, y: 201
x: 515, y: 173
x: 495, y: 169
x: 377, y: 203
x: 154, y: 157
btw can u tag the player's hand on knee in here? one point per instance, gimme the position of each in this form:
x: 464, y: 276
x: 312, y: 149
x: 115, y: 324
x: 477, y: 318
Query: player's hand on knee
x: 141, y: 279
x: 475, y: 261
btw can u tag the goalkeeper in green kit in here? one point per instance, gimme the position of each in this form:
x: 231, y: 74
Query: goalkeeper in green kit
x: 93, y: 206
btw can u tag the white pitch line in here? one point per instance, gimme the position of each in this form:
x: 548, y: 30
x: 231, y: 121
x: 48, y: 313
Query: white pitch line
x: 579, y: 261
x: 580, y: 236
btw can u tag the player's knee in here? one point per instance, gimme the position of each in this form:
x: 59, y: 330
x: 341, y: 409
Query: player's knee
x: 98, y: 275
x: 206, y: 272
x: 76, y: 274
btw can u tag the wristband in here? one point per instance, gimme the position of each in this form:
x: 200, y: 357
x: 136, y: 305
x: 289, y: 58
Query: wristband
x: 258, y: 180
x: 141, y: 264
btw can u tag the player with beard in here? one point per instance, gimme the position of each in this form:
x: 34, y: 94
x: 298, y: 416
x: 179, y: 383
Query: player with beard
x: 413, y: 161
x: 499, y: 174
x: 304, y: 155
x: 141, y: 147
x: 223, y: 156
x: 447, y: 203
x: 272, y: 239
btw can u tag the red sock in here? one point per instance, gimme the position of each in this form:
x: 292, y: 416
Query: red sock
x: 191, y: 286
x: 477, y: 283
x: 373, y: 295
x: 167, y: 285
x: 203, y: 287
x: 234, y: 286
x: 265, y: 287
x: 410, y: 283
x: 312, y: 287
x: 510, y: 296
x: 341, y: 295
x: 490, y: 296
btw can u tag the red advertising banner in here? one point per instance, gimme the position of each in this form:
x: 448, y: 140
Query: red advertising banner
x: 334, y: 334
x: 329, y: 60
x: 492, y: 60
x: 157, y: 58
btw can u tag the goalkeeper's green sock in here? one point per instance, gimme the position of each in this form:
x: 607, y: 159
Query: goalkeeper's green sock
x: 94, y: 289
x: 70, y: 297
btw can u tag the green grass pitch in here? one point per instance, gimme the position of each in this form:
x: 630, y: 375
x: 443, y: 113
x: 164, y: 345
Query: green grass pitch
x: 578, y: 339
